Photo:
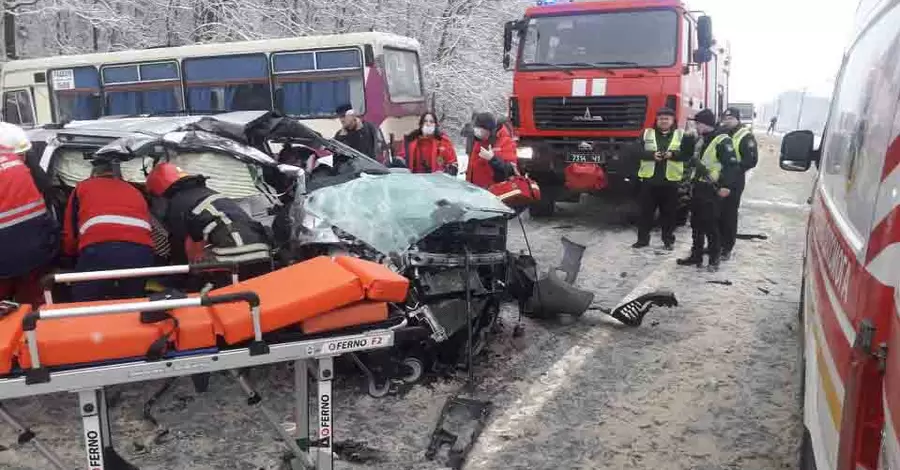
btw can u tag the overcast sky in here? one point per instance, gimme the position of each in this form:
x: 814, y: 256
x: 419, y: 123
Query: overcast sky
x: 778, y: 45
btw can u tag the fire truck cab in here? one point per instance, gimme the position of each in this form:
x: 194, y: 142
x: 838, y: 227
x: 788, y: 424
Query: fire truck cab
x: 850, y: 298
x: 589, y: 77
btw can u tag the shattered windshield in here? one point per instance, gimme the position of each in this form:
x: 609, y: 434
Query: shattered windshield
x: 394, y: 211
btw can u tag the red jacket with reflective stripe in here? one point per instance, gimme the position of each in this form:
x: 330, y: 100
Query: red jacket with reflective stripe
x: 427, y: 154
x: 20, y: 199
x: 481, y: 172
x: 105, y: 210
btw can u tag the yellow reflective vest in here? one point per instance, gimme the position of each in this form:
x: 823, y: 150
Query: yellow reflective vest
x: 674, y: 170
x: 710, y: 157
x: 737, y: 138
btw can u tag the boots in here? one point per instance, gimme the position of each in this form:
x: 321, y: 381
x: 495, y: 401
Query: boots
x: 694, y: 259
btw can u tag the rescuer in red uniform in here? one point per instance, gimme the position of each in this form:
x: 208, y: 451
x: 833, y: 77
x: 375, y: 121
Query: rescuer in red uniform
x: 107, y: 226
x: 493, y: 156
x: 429, y: 150
x: 29, y: 234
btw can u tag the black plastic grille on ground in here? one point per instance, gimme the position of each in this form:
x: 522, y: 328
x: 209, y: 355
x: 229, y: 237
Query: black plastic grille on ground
x: 590, y: 112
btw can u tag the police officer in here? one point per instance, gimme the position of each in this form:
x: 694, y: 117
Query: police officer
x: 107, y: 226
x: 714, y: 178
x: 29, y: 233
x: 664, y: 150
x: 198, y: 217
x: 745, y: 149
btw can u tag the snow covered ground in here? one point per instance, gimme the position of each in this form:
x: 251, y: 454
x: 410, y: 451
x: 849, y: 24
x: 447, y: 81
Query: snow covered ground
x: 711, y: 384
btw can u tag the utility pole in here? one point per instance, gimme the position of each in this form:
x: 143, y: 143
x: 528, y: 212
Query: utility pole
x: 800, y: 109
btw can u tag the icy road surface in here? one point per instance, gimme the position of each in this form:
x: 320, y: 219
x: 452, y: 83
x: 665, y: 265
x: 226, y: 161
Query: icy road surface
x: 711, y: 384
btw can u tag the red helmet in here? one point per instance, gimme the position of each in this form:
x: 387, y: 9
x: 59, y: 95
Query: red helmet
x: 162, y: 177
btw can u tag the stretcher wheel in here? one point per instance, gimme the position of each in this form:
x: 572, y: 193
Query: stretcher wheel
x: 415, y: 368
x: 379, y: 391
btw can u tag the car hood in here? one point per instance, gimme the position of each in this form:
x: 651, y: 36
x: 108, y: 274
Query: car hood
x: 392, y: 212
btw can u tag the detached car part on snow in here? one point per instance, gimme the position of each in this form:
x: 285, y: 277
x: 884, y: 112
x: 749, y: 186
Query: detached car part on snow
x: 319, y: 196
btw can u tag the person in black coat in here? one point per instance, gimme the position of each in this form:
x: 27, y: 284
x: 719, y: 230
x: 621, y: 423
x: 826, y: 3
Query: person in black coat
x: 359, y: 134
x: 747, y: 152
x: 715, y: 177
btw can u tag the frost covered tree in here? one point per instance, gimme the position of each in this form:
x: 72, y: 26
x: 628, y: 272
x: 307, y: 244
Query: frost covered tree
x: 461, y: 39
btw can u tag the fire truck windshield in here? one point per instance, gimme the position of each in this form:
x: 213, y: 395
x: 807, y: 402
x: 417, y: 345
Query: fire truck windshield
x: 601, y: 40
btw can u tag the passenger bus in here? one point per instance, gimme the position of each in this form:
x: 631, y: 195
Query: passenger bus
x: 851, y: 275
x: 379, y: 74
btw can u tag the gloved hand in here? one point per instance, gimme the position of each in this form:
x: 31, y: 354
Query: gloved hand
x: 486, y: 153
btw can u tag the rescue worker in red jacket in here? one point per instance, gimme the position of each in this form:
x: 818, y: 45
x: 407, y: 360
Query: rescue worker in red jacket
x: 205, y: 225
x: 429, y: 150
x: 29, y: 234
x: 107, y: 226
x: 493, y: 158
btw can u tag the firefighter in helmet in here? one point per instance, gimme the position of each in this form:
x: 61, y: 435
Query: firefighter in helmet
x: 29, y: 233
x: 199, y: 217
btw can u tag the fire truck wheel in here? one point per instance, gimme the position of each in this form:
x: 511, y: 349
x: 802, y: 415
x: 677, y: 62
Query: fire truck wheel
x: 543, y: 208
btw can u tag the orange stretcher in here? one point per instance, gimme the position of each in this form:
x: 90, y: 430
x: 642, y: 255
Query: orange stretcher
x: 329, y: 307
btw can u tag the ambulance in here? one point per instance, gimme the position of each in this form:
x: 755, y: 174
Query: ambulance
x: 851, y: 266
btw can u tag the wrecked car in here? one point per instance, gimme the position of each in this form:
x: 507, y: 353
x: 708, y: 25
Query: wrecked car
x: 318, y: 196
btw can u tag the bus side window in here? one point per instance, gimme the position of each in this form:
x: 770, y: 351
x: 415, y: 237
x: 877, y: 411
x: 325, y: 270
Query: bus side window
x: 17, y: 108
x: 315, y: 83
x: 227, y: 83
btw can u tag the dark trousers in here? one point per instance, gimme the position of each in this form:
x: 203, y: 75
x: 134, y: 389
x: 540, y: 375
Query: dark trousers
x: 660, y: 196
x: 728, y: 223
x: 706, y: 207
x: 106, y: 256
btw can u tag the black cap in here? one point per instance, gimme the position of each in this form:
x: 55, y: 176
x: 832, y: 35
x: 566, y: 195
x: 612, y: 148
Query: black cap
x: 706, y: 117
x: 665, y: 111
x: 341, y: 110
x: 732, y: 112
x: 485, y: 121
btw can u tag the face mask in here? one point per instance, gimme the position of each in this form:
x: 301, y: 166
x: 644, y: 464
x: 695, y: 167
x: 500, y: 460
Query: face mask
x: 427, y: 130
x: 480, y: 133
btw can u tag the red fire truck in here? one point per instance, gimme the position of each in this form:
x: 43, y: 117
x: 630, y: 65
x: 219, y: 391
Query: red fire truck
x: 589, y: 76
x: 850, y: 300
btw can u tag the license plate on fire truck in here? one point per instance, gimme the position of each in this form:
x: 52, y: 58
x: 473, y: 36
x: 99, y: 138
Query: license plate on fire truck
x: 582, y: 157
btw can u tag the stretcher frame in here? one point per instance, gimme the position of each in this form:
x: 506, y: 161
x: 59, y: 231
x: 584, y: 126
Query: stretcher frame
x: 310, y: 357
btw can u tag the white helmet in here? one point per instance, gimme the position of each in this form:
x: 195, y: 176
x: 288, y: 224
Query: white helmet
x: 13, y: 139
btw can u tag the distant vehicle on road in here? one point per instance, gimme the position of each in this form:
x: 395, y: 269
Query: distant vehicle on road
x: 748, y: 110
x: 304, y: 77
x: 590, y: 76
x: 850, y: 299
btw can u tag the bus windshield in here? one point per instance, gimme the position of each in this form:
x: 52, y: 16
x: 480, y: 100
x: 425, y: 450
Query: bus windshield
x: 607, y: 40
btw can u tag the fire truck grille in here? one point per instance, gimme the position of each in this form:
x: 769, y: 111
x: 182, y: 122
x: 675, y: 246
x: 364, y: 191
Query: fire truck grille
x: 590, y: 112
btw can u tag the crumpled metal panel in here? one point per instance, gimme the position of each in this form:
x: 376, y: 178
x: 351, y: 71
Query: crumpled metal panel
x: 226, y: 174
x: 71, y: 168
x: 391, y: 212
